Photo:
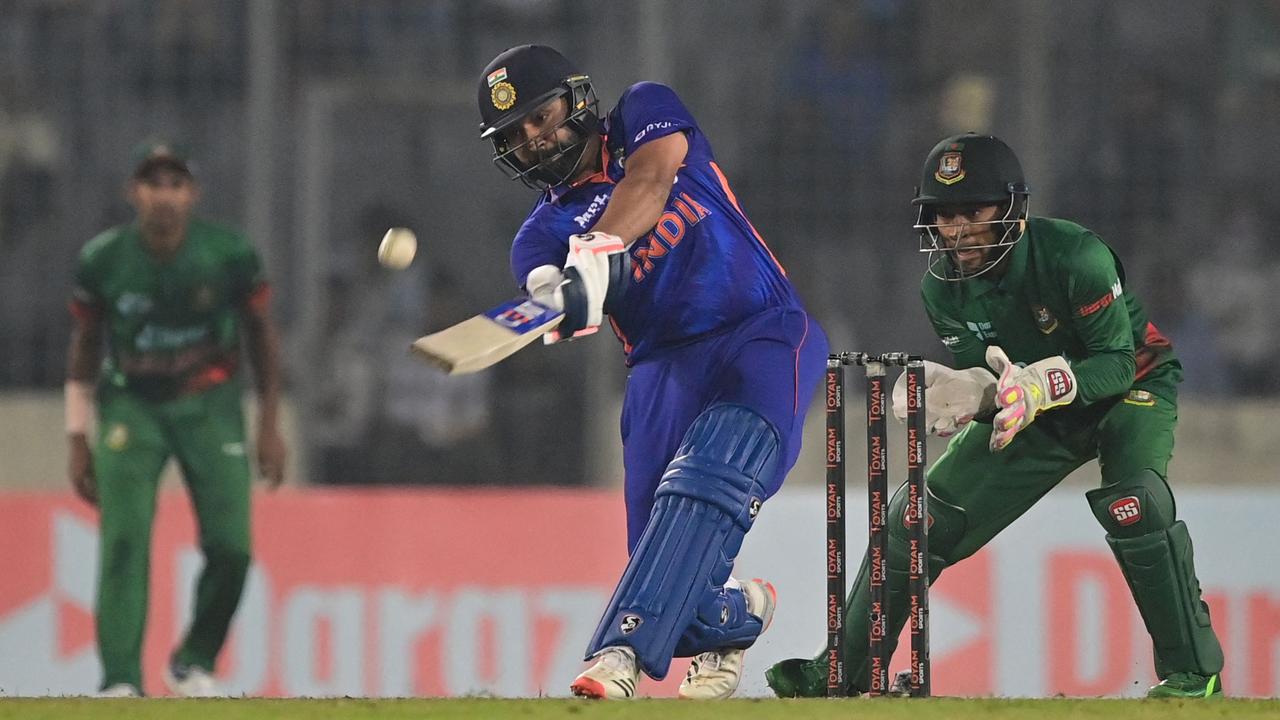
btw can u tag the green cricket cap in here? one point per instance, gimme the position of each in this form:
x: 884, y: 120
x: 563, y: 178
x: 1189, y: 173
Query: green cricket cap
x: 151, y: 155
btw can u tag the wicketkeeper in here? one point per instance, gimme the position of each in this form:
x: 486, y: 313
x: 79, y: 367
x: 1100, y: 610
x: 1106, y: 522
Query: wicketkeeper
x: 1055, y: 364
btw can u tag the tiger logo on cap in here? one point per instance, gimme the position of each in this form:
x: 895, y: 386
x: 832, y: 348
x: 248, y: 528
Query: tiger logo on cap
x: 950, y: 169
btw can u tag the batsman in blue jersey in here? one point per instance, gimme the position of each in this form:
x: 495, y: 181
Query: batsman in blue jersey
x: 636, y: 223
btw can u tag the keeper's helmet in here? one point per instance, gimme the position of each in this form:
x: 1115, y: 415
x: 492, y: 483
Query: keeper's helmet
x: 971, y: 170
x: 519, y: 81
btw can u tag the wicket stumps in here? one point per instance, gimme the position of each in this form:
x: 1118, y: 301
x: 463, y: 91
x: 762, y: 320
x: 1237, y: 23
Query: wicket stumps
x: 877, y: 511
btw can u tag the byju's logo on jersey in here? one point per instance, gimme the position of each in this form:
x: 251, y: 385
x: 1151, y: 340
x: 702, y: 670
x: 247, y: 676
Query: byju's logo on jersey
x: 983, y: 330
x: 650, y: 128
x: 589, y: 215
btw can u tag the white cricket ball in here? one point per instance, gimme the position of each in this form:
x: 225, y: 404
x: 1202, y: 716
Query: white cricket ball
x: 397, y: 248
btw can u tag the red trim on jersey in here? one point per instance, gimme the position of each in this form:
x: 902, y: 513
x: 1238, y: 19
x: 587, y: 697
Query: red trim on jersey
x: 83, y: 311
x: 795, y: 377
x: 601, y: 175
x: 626, y: 344
x: 1145, y: 357
x: 215, y: 374
x: 724, y: 185
x: 259, y: 298
x: 1099, y: 304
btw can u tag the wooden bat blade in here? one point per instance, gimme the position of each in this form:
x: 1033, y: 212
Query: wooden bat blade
x: 488, y: 338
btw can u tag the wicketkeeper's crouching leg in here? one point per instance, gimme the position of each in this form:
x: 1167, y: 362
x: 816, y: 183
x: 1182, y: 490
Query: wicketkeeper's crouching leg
x: 807, y: 677
x: 1154, y: 552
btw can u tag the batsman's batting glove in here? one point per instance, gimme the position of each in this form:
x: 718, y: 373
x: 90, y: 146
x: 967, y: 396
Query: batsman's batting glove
x: 543, y: 286
x: 951, y: 397
x: 1024, y: 393
x: 595, y: 278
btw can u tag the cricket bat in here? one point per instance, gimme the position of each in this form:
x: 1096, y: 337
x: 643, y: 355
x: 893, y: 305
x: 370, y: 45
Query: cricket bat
x: 488, y: 338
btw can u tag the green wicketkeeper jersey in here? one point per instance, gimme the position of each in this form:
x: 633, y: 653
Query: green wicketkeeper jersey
x: 172, y: 327
x: 1063, y: 293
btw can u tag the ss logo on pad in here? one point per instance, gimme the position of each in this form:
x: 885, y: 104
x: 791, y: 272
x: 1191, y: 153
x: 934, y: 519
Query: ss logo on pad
x: 629, y: 624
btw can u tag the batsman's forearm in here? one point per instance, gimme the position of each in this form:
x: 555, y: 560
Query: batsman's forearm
x: 1103, y: 375
x: 634, y: 207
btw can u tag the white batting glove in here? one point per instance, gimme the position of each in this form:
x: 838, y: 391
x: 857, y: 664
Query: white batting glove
x: 595, y: 277
x: 1023, y: 393
x: 543, y: 286
x: 951, y: 397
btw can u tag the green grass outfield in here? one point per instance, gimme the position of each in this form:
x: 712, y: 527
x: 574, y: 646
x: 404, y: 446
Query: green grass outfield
x: 859, y: 709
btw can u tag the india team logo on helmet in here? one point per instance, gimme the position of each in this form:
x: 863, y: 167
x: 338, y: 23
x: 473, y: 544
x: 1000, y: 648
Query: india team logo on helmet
x: 517, y: 82
x: 950, y: 169
x: 503, y: 95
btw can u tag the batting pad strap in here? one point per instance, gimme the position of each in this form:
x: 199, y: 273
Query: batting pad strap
x: 708, y: 499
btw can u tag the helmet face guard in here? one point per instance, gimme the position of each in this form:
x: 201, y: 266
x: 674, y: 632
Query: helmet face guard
x: 566, y: 160
x: 970, y: 170
x: 1008, y: 229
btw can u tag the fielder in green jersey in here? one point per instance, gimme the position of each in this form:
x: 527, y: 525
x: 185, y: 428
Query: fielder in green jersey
x: 170, y: 298
x: 1056, y: 364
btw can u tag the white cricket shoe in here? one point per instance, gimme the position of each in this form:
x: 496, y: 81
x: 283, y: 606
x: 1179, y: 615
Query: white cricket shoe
x: 191, y: 681
x: 715, y: 675
x: 119, y: 690
x: 612, y: 677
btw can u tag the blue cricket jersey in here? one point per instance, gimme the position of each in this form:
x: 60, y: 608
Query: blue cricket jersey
x: 700, y: 270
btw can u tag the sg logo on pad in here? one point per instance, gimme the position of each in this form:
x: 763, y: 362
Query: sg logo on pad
x: 629, y: 624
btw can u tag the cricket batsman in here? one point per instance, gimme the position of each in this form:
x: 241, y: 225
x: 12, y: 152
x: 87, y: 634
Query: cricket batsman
x: 1054, y: 364
x: 171, y: 297
x: 635, y: 222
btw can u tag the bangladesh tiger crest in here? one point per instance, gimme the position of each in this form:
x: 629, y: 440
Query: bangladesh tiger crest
x: 1045, y: 320
x: 117, y: 437
x: 950, y: 169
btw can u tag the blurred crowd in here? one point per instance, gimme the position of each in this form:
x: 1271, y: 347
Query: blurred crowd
x: 1147, y: 121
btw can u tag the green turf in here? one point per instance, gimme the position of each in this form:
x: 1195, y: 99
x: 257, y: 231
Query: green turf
x: 896, y: 709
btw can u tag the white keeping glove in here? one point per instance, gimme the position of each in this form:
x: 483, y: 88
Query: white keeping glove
x: 1024, y: 393
x: 595, y: 277
x: 951, y: 397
